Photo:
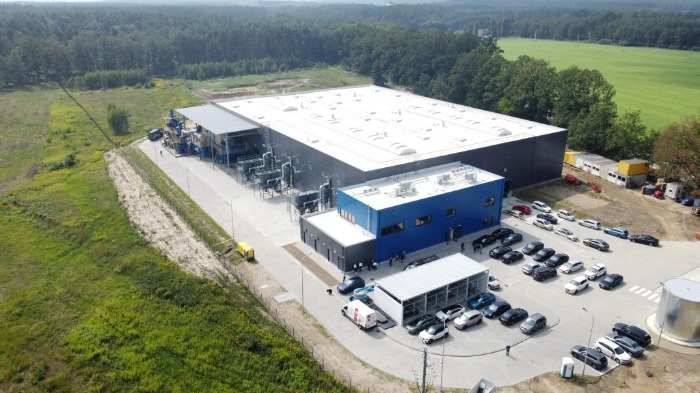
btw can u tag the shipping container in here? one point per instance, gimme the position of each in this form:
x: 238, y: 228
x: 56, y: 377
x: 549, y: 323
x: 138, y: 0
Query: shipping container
x: 634, y: 167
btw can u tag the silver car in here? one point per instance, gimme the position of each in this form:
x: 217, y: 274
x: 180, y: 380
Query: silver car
x: 469, y: 318
x: 588, y: 223
x: 571, y: 267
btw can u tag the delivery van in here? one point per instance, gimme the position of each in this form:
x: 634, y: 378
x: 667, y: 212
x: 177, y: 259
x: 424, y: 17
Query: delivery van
x: 361, y: 314
x: 246, y: 251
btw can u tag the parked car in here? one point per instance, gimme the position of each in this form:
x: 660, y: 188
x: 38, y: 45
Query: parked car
x: 541, y: 223
x: 541, y: 206
x: 589, y: 356
x: 512, y: 256
x: 469, y: 318
x: 514, y: 213
x: 481, y: 300
x: 533, y: 324
x: 565, y: 214
x: 532, y: 247
x: 556, y: 260
x: 687, y: 201
x: 617, y: 231
x: 588, y: 223
x: 512, y: 239
x: 450, y: 312
x: 155, y: 134
x: 612, y: 350
x: 640, y: 336
x: 563, y: 232
x: 576, y: 285
x: 611, y: 281
x: 571, y: 267
x: 598, y: 244
x: 543, y: 273
x: 494, y: 283
x: 501, y: 233
x: 434, y: 332
x: 530, y: 267
x: 496, y: 309
x: 415, y: 264
x: 595, y: 271
x: 645, y: 239
x: 626, y: 343
x: 484, y: 240
x: 421, y: 323
x: 523, y: 209
x: 350, y: 284
x: 548, y: 217
x: 498, y: 251
x: 543, y: 254
x: 513, y: 316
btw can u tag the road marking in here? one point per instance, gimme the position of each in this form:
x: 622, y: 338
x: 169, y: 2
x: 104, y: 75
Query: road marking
x: 634, y: 288
x: 654, y: 296
x: 640, y: 290
x: 657, y: 300
x: 647, y: 293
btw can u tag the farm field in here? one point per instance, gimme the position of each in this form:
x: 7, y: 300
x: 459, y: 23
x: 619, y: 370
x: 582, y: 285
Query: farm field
x: 663, y: 84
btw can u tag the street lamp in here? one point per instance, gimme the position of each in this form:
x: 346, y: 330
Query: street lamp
x: 302, y: 278
x: 665, y: 314
x: 442, y: 362
x: 583, y: 373
x: 187, y: 177
x: 231, y: 219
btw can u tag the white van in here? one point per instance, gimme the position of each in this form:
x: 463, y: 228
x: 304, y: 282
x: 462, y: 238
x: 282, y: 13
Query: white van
x: 361, y: 314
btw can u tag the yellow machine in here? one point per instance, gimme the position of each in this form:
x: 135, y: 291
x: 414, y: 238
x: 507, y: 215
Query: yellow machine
x: 246, y: 251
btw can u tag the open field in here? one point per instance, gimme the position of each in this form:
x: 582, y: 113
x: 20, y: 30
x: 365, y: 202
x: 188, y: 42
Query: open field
x: 663, y: 84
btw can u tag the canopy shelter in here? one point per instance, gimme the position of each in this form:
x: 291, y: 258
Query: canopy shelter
x: 218, y: 120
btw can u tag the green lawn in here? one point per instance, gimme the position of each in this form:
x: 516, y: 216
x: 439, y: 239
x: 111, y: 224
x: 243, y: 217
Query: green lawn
x: 86, y: 305
x: 663, y: 84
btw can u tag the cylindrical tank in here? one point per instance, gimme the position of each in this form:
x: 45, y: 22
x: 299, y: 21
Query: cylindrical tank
x: 678, y: 312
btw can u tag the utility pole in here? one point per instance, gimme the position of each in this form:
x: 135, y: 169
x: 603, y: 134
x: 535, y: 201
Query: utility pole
x: 425, y: 366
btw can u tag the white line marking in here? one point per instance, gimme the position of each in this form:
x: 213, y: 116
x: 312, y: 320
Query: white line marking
x: 647, y: 293
x: 654, y: 296
x: 640, y: 290
x: 657, y: 300
x: 634, y: 288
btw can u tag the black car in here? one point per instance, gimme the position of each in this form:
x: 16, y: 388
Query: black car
x: 512, y: 239
x: 598, y: 244
x: 350, y: 284
x: 484, y: 240
x: 499, y: 251
x: 421, y: 324
x: 513, y: 316
x: 645, y: 239
x: 556, y: 260
x: 155, y: 134
x: 511, y: 257
x: 611, y: 281
x: 496, y: 309
x: 589, y: 356
x: 639, y: 336
x: 543, y: 273
x: 532, y: 248
x: 501, y: 233
x: 548, y: 217
x: 543, y: 254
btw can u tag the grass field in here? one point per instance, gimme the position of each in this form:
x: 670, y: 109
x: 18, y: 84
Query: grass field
x: 663, y: 84
x: 86, y: 304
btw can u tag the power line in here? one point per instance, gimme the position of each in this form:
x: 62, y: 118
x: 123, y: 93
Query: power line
x: 89, y: 116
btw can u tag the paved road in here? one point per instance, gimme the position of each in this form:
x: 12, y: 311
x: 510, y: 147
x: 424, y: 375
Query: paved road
x: 268, y: 225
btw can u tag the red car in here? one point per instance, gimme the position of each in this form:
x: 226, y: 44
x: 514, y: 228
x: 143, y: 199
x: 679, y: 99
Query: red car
x: 523, y: 209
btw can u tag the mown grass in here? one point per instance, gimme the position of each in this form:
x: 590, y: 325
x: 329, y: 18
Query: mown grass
x: 663, y: 84
x: 85, y: 303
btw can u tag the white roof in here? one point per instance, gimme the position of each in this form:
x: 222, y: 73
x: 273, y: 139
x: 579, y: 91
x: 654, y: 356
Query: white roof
x: 684, y: 289
x: 370, y: 127
x: 425, y: 278
x: 340, y: 229
x: 397, y: 190
x: 217, y: 120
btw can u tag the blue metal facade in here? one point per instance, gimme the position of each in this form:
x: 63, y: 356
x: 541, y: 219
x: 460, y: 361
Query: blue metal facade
x: 451, y: 215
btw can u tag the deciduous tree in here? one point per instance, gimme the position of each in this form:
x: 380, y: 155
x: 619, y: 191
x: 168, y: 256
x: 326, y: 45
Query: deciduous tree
x: 677, y: 152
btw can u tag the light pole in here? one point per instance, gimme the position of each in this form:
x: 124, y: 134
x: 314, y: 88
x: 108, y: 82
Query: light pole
x: 187, y: 177
x: 583, y: 373
x: 442, y: 362
x: 232, y: 219
x: 302, y: 278
x: 665, y: 313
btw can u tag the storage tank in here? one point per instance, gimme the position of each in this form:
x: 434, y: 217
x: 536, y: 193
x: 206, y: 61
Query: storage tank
x: 678, y: 312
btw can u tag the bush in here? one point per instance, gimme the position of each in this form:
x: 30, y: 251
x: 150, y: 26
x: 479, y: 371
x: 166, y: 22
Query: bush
x: 118, y: 119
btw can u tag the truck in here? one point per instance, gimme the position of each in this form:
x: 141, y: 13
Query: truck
x: 246, y: 251
x: 360, y: 314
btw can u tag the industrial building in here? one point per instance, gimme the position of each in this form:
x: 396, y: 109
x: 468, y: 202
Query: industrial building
x: 678, y: 312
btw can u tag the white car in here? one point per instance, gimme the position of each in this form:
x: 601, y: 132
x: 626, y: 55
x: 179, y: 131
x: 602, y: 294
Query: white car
x: 563, y: 232
x: 571, y: 267
x: 612, y: 350
x: 494, y: 283
x: 469, y: 318
x: 595, y: 271
x: 542, y: 223
x: 541, y: 206
x: 565, y: 214
x: 588, y: 223
x: 450, y: 312
x: 577, y: 284
x: 434, y: 332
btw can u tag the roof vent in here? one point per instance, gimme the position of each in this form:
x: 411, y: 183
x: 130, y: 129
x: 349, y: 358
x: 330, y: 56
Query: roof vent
x: 503, y: 132
x: 290, y: 109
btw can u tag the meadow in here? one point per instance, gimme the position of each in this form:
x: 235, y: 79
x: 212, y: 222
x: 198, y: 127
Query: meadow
x: 85, y: 303
x: 663, y: 84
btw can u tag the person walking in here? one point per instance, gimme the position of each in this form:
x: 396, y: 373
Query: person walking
x: 360, y: 266
x: 354, y: 267
x: 375, y: 265
x: 343, y: 277
x: 462, y: 246
x: 390, y: 261
x: 507, y: 350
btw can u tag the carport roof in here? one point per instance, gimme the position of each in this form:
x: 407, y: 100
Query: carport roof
x: 425, y: 278
x: 216, y: 119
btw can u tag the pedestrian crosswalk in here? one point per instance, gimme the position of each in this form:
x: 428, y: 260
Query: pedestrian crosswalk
x: 646, y: 293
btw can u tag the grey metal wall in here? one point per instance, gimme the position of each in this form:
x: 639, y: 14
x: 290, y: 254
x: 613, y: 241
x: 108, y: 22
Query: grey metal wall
x: 341, y: 257
x: 678, y: 311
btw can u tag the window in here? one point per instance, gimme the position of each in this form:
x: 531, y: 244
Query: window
x: 488, y: 221
x: 392, y: 229
x: 423, y: 220
x: 347, y: 216
x: 451, y: 212
x: 490, y: 201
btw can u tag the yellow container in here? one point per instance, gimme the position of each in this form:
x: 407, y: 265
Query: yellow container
x: 570, y: 157
x: 633, y: 167
x: 246, y: 251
